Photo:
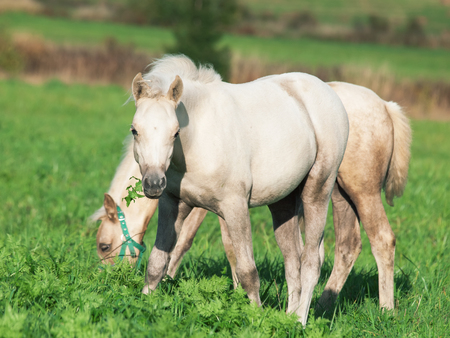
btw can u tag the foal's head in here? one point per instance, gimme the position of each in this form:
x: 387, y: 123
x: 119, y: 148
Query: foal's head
x: 155, y: 128
x: 110, y: 236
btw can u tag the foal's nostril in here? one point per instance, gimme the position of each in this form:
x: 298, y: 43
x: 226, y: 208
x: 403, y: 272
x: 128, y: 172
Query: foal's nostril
x: 163, y: 182
x: 146, y: 183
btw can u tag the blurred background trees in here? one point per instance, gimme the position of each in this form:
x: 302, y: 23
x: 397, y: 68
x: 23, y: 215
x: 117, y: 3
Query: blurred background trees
x: 198, y: 26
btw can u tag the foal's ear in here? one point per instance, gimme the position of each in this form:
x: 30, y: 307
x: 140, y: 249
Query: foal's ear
x: 175, y: 90
x: 140, y: 88
x: 110, y: 207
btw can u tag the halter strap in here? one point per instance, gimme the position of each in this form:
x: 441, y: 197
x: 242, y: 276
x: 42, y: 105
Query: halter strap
x: 129, y: 241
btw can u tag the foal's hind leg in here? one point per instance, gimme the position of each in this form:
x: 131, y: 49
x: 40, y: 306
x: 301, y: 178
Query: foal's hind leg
x: 382, y: 241
x: 287, y: 234
x: 301, y: 223
x: 315, y: 196
x: 347, y: 247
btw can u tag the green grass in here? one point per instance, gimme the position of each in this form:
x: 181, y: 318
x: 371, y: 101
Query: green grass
x: 343, y: 12
x: 60, y: 145
x: 64, y: 31
x: 404, y: 62
x: 401, y: 61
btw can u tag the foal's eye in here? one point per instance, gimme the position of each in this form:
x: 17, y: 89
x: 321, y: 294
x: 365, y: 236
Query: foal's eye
x: 176, y: 134
x: 133, y: 131
x: 104, y: 247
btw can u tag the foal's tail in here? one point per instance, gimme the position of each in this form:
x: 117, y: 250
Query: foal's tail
x: 397, y: 174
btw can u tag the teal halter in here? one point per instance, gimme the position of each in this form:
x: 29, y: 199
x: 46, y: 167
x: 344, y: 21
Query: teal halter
x: 129, y: 241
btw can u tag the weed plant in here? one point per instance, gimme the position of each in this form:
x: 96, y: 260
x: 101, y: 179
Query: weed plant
x: 60, y: 145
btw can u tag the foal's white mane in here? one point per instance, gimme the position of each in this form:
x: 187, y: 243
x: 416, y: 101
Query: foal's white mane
x: 121, y: 178
x: 164, y: 70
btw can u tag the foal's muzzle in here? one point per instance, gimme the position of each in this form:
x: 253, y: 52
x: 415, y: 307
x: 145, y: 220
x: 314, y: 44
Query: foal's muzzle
x: 154, y: 185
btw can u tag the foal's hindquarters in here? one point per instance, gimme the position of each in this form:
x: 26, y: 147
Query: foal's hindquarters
x: 377, y: 156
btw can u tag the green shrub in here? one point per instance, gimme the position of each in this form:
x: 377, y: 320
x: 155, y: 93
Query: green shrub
x: 10, y: 59
x: 199, y: 26
x: 415, y: 32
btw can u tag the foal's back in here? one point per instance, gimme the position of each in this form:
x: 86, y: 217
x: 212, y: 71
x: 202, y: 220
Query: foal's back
x: 269, y: 131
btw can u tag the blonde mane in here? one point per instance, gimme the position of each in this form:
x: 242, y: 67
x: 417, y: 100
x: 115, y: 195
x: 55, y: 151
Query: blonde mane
x: 121, y: 178
x: 164, y: 70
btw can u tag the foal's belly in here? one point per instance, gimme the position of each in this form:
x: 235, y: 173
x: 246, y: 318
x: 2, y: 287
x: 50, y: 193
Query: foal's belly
x: 267, y: 191
x: 282, y: 166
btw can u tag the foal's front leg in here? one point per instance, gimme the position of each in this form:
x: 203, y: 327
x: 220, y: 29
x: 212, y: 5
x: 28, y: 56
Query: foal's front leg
x: 172, y: 213
x: 229, y: 250
x: 237, y: 218
x: 187, y: 234
x: 184, y: 242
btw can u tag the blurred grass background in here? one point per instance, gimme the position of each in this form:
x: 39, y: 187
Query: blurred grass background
x: 400, y: 61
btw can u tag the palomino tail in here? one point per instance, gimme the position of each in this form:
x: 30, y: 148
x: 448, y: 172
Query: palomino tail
x: 397, y: 175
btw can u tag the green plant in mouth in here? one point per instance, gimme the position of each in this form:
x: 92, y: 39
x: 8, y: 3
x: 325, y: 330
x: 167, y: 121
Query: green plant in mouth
x: 133, y: 191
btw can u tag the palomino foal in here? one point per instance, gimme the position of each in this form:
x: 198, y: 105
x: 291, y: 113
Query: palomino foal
x: 276, y: 141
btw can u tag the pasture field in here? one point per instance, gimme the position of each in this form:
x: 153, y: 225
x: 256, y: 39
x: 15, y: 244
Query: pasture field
x: 60, y: 145
x: 434, y: 14
x: 400, y: 61
x: 343, y: 12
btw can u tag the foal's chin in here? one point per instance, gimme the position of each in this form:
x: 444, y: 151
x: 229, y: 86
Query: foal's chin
x: 153, y: 195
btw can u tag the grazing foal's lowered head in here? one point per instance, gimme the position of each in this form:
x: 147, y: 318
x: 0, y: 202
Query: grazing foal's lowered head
x: 117, y: 238
x: 115, y: 215
x: 109, y: 235
x: 156, y: 111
